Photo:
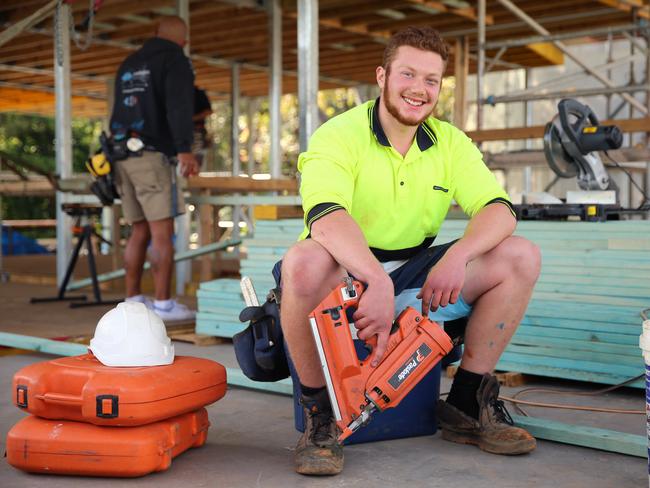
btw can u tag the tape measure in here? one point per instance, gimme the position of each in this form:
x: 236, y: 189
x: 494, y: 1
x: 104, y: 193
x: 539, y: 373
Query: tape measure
x: 98, y: 165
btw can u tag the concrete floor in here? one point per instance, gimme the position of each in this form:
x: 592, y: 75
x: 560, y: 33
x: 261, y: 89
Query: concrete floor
x: 251, y: 438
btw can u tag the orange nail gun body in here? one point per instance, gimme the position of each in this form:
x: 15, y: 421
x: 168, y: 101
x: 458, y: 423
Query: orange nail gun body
x: 356, y: 389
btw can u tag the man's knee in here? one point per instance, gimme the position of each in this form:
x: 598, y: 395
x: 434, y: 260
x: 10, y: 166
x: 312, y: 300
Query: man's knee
x: 305, y: 267
x: 522, y: 256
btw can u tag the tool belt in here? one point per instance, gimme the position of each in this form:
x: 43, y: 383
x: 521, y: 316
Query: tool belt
x: 259, y: 348
x: 123, y: 146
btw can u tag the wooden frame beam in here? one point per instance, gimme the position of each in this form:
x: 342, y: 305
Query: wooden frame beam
x: 537, y: 131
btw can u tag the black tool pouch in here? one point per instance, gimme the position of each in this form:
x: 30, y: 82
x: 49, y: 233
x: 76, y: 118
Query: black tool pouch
x: 259, y: 348
x: 104, y: 189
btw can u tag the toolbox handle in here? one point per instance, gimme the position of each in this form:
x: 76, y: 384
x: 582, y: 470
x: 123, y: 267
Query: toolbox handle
x: 60, y: 398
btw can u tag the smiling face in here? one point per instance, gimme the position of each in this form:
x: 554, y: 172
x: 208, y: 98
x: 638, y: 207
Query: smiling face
x: 410, y: 85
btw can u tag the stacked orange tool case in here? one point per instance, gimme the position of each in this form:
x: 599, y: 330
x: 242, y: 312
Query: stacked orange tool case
x: 94, y: 420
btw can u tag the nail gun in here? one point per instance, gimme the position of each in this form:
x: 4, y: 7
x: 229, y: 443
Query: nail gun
x: 356, y: 389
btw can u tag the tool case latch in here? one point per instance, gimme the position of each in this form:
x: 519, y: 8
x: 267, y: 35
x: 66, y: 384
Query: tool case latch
x: 21, y: 396
x: 107, y: 406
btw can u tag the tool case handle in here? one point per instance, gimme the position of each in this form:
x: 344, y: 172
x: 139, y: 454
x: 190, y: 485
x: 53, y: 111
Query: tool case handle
x: 60, y: 399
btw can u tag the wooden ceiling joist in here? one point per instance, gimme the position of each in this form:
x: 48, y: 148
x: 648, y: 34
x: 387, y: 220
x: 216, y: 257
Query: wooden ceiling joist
x: 352, y: 35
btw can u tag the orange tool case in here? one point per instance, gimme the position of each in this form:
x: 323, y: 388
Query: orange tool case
x: 40, y: 445
x: 81, y: 388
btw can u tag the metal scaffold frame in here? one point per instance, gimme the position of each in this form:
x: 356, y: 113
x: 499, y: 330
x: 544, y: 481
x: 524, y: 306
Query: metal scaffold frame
x: 541, y: 91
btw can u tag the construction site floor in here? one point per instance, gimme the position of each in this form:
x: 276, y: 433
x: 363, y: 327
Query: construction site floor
x: 252, y: 435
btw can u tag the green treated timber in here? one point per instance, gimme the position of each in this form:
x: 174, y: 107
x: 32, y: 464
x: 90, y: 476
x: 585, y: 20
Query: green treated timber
x: 609, y: 253
x: 233, y: 293
x: 562, y: 224
x: 576, y: 370
x: 593, y: 233
x: 181, y: 256
x: 48, y: 346
x: 601, y: 312
x: 575, y: 354
x: 221, y: 299
x: 582, y: 323
x: 536, y: 340
x: 270, y: 242
x: 596, y: 262
x: 220, y: 326
x: 219, y: 284
x: 257, y: 267
x: 603, y: 377
x: 576, y: 365
x: 245, y: 200
x: 593, y: 299
x: 605, y: 291
x: 586, y: 319
x: 582, y: 335
x: 237, y: 378
x: 226, y: 296
x: 612, y: 276
x: 231, y: 314
x: 578, y: 435
x: 260, y: 253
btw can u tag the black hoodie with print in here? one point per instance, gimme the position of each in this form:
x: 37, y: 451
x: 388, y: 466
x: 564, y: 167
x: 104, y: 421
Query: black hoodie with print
x: 154, y: 97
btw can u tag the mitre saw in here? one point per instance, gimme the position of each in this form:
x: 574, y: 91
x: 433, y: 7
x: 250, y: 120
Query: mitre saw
x: 571, y: 144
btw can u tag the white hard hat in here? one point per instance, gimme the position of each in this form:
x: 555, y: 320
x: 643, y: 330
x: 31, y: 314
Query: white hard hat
x: 131, y: 335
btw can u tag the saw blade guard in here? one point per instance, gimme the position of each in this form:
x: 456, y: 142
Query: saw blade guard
x: 572, y: 141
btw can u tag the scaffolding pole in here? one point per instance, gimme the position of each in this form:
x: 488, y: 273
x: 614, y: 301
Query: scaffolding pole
x: 234, y: 140
x: 275, y: 87
x: 307, y: 69
x: 63, y: 133
x: 524, y: 41
x: 562, y: 47
x: 178, y: 257
x: 184, y: 269
x: 587, y: 92
x: 480, y: 70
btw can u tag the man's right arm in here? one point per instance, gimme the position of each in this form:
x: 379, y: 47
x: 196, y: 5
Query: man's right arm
x: 341, y: 236
x: 179, y: 106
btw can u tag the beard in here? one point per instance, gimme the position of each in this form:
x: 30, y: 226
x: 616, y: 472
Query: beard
x: 394, y: 111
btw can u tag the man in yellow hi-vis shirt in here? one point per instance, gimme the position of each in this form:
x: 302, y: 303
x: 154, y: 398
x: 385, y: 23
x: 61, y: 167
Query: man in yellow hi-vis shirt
x: 377, y: 182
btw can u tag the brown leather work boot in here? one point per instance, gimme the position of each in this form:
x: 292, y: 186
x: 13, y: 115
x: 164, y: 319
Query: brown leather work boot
x: 494, y: 431
x: 318, y: 451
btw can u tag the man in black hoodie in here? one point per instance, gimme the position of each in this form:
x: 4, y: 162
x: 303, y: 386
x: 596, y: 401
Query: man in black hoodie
x: 152, y: 115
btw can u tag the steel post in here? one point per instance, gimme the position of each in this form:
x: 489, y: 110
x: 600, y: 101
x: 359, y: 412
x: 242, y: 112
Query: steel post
x: 307, y: 69
x: 275, y: 87
x: 183, y: 269
x: 63, y: 133
x: 480, y: 70
x: 234, y: 140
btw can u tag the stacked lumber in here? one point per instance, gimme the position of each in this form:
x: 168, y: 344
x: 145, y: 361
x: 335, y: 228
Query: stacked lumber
x: 583, y: 322
x: 220, y: 301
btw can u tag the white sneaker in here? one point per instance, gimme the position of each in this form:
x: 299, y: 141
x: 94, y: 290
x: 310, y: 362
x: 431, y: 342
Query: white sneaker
x: 175, y: 312
x: 141, y: 299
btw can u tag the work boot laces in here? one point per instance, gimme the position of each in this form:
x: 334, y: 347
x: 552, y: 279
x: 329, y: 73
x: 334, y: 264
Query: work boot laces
x: 321, y: 425
x: 500, y: 412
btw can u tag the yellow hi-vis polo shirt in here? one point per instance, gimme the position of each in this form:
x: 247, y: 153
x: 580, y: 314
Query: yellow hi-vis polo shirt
x: 398, y: 202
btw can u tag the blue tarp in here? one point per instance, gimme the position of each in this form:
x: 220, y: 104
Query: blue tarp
x: 19, y: 244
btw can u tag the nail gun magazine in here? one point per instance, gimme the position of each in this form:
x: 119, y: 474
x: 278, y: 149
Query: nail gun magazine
x: 356, y: 389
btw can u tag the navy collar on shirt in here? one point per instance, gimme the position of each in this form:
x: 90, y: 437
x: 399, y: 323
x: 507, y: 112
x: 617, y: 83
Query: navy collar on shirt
x: 424, y: 135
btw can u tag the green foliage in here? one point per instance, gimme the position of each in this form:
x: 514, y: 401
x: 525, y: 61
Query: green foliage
x: 31, y: 138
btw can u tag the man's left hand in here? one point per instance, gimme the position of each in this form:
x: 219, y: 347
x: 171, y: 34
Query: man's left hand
x: 444, y: 282
x: 188, y: 164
